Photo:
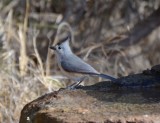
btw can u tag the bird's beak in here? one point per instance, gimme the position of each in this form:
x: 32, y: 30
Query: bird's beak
x: 52, y: 47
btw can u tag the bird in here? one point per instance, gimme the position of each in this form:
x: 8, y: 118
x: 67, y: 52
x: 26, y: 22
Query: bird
x: 73, y: 66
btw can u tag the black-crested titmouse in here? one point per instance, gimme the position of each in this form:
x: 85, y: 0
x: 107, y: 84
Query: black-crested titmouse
x: 72, y: 66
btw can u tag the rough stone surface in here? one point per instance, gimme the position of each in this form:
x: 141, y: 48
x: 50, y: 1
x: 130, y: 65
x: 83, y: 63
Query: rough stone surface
x: 137, y: 102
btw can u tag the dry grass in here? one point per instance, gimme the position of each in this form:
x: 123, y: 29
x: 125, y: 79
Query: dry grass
x: 23, y: 80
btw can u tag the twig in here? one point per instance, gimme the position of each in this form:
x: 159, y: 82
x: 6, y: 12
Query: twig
x: 22, y: 34
x: 37, y: 54
x: 48, y: 60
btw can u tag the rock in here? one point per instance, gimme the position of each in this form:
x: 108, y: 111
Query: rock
x: 103, y: 102
x: 112, y: 106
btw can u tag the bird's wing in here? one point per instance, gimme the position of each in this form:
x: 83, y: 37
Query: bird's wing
x: 77, y: 65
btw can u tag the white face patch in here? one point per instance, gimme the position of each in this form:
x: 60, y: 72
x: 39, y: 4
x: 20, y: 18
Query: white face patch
x: 60, y: 49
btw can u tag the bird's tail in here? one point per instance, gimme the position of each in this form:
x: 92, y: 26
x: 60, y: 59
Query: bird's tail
x: 107, y: 77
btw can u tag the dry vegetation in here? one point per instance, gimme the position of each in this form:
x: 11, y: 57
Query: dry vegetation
x: 27, y: 28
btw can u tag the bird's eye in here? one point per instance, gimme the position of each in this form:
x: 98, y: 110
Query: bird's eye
x: 59, y: 47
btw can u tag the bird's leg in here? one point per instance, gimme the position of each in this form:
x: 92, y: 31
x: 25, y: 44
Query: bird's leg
x: 76, y: 83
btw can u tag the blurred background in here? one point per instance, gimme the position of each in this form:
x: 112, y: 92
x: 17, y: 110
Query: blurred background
x: 117, y: 37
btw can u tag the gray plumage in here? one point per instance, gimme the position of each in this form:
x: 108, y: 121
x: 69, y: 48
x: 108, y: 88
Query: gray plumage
x: 70, y: 63
x: 73, y: 63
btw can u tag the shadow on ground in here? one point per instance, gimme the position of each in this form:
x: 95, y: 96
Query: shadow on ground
x: 133, y: 95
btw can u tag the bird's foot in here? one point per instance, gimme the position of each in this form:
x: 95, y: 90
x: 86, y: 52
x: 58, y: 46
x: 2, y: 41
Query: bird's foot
x: 73, y: 86
x: 76, y: 84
